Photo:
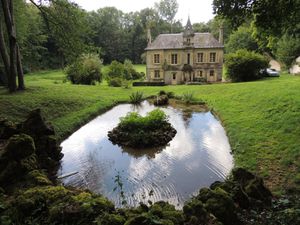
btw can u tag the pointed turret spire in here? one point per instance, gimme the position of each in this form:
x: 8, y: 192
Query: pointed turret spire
x: 188, y: 31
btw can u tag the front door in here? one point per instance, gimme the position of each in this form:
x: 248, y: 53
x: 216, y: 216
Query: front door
x: 174, y: 78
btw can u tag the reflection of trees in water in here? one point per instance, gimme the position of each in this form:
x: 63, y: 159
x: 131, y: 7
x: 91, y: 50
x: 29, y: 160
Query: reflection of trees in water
x: 150, y: 153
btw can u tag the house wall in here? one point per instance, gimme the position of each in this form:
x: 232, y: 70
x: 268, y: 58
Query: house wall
x: 167, y: 69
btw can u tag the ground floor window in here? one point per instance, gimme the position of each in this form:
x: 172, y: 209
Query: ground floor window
x: 157, y: 74
x: 200, y: 73
x: 211, y: 73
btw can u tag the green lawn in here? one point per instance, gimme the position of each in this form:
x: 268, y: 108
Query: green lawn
x: 262, y: 118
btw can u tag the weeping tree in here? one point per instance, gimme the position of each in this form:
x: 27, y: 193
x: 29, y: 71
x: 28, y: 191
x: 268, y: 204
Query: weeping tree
x: 9, y: 48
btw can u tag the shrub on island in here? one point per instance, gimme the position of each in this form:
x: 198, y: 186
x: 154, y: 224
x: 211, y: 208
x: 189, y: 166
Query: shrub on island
x: 135, y: 130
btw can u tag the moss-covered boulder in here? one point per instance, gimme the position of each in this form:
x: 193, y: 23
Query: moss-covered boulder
x: 17, y: 160
x: 7, y: 129
x: 35, y: 125
x: 47, y: 148
x: 252, y: 186
x: 58, y: 205
x: 161, y: 100
x: 220, y: 204
x: 19, y: 147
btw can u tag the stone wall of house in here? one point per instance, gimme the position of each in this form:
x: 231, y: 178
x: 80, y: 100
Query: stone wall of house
x: 202, y: 69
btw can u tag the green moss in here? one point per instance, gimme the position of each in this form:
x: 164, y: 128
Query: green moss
x: 194, y: 210
x: 37, y: 177
x: 58, y: 205
x: 222, y: 206
x: 7, y: 129
x: 110, y: 219
x: 19, y: 147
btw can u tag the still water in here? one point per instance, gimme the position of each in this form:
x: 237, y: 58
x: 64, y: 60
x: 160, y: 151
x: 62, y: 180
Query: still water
x: 198, y: 155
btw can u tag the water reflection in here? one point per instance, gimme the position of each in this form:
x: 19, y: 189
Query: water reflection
x: 198, y: 155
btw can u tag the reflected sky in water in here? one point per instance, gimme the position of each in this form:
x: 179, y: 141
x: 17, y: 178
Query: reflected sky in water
x: 198, y: 155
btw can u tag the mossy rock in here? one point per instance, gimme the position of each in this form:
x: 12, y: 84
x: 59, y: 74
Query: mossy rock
x: 256, y: 190
x: 252, y: 186
x: 161, y: 100
x: 58, y: 205
x: 195, y: 212
x: 47, y: 147
x: 35, y: 125
x: 220, y: 204
x: 38, y: 178
x: 7, y: 129
x: 19, y: 146
x: 110, y: 219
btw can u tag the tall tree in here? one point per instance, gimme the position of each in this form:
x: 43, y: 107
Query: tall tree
x: 15, y: 64
x: 167, y: 9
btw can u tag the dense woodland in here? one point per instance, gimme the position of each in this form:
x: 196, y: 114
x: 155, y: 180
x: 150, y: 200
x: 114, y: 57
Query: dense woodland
x: 53, y: 33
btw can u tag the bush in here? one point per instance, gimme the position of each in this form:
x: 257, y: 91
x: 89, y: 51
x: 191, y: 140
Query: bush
x: 244, y: 65
x: 136, y: 97
x: 115, y: 69
x: 125, y: 71
x: 115, y: 82
x: 137, y: 131
x: 86, y: 70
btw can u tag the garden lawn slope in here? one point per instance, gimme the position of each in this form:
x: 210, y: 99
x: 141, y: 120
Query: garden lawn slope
x: 262, y: 118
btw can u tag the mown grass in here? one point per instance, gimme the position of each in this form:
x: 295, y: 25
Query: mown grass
x: 262, y: 118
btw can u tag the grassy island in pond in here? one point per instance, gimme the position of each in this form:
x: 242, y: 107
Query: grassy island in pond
x: 135, y: 130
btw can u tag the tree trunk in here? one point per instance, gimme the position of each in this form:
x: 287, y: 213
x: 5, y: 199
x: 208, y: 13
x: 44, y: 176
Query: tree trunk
x: 21, y: 85
x: 7, y: 6
x: 4, y: 54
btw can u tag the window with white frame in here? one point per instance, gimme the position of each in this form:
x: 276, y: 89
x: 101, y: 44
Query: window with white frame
x: 212, y: 57
x: 156, y: 58
x: 174, y: 59
x: 200, y: 57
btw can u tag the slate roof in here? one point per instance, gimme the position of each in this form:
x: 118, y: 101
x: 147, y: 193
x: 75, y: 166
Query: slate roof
x: 175, y: 41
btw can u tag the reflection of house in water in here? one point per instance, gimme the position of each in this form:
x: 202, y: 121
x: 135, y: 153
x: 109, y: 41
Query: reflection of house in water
x: 185, y: 57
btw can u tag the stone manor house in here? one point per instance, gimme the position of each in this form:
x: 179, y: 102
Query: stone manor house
x: 185, y: 57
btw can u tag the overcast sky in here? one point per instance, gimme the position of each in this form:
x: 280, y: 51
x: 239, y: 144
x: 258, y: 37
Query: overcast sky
x: 199, y: 10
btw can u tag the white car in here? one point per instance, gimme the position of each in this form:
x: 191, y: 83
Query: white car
x: 270, y: 72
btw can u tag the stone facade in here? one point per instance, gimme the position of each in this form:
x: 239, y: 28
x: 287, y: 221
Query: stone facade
x: 185, y: 57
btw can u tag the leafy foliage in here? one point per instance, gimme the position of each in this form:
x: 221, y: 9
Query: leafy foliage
x: 152, y: 121
x: 241, y: 39
x: 86, y: 70
x: 136, y: 97
x: 288, y: 49
x: 123, y: 71
x: 134, y: 130
x: 244, y: 65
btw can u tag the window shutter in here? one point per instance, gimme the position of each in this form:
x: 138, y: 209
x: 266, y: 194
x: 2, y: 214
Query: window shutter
x: 169, y: 58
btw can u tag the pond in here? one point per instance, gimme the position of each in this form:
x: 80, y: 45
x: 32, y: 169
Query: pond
x: 197, y: 156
